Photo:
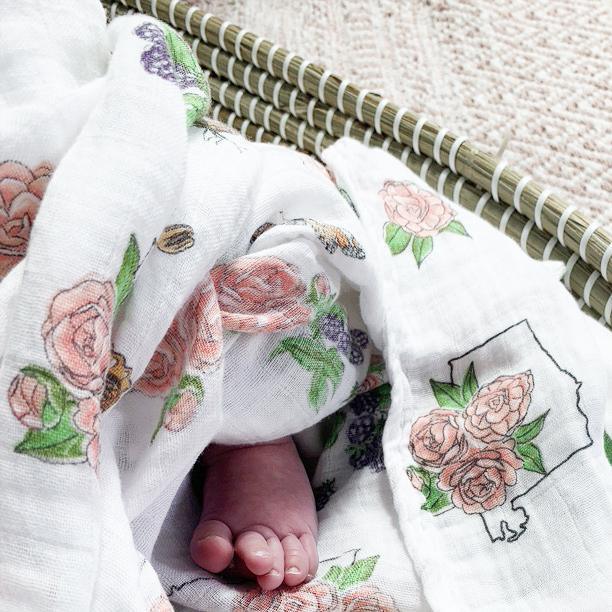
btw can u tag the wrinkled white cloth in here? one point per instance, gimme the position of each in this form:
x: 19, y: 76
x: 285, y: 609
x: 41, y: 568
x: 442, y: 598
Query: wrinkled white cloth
x: 182, y: 285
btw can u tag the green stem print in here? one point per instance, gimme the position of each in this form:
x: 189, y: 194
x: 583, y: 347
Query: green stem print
x: 124, y: 283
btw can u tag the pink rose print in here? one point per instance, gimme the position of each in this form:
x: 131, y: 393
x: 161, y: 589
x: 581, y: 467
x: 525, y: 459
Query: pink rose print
x: 21, y: 191
x: 367, y: 598
x: 194, y: 335
x: 87, y: 419
x: 438, y: 438
x: 310, y: 597
x: 180, y: 415
x: 478, y: 481
x: 27, y: 398
x: 499, y: 407
x: 77, y: 334
x: 321, y: 283
x: 418, y: 212
x: 260, y: 294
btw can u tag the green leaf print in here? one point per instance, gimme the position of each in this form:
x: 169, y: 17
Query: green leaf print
x: 124, y: 283
x: 309, y: 353
x: 62, y: 443
x: 532, y: 457
x: 397, y: 238
x: 469, y: 386
x: 196, y: 106
x: 456, y: 228
x: 608, y: 447
x: 435, y: 499
x: 421, y: 248
x: 194, y: 384
x: 169, y: 403
x: 448, y: 395
x: 58, y: 399
x: 335, y: 423
x: 345, y: 577
x: 529, y: 431
x: 181, y: 54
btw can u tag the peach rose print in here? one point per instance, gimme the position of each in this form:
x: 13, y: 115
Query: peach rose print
x: 260, y: 294
x: 87, y: 419
x: 310, y: 597
x: 478, y: 482
x: 27, y: 398
x: 77, y: 334
x: 21, y: 191
x: 469, y: 450
x: 438, y: 438
x: 415, y: 217
x: 181, y: 414
x: 499, y: 407
x: 367, y: 598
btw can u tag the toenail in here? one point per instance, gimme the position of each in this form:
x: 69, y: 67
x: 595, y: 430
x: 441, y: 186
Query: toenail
x: 293, y: 570
x: 261, y: 553
x: 274, y: 573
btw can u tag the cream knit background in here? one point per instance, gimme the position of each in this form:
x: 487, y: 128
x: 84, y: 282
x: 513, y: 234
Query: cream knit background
x: 537, y: 70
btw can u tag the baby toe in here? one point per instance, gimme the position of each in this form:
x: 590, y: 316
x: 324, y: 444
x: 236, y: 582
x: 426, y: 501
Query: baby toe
x: 296, y: 561
x: 211, y: 546
x: 274, y: 578
x: 255, y: 551
x: 310, y: 546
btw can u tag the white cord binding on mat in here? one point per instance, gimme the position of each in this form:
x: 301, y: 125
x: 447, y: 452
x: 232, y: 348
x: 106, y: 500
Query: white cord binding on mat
x: 586, y: 294
x: 525, y: 234
x: 584, y: 241
x: 319, y: 142
x: 537, y: 213
x: 505, y: 218
x: 246, y: 77
x: 139, y: 6
x: 359, y: 104
x: 266, y: 117
x: 608, y: 310
x: 495, y: 178
x: 482, y: 202
x: 213, y: 60
x: 273, y: 49
x: 519, y: 192
x: 301, y: 71
x: 237, y: 49
x: 425, y: 169
x: 322, y: 83
x: 438, y: 144
x: 286, y: 63
x: 300, y: 135
x: 452, y: 155
x: 377, y: 117
x: 113, y: 11
x: 222, y: 91
x: 260, y: 85
x: 276, y: 93
x: 310, y: 112
x: 563, y: 221
x: 292, y: 98
x: 230, y: 69
x: 154, y: 9
x: 341, y: 89
x: 259, y: 134
x: 231, y: 119
x: 283, y: 125
x: 442, y: 180
x: 347, y: 127
x: 605, y: 260
x: 457, y: 189
x: 571, y: 262
x: 405, y: 155
x: 203, y: 23
x: 550, y: 245
x: 171, y: 9
x: 221, y: 34
x: 397, y: 121
x: 252, y: 106
x: 386, y: 143
x: 244, y: 127
x: 329, y: 118
x: 255, y: 51
x: 188, y: 17
x: 277, y: 140
x: 368, y: 136
x: 417, y: 134
x: 216, y: 111
x: 237, y: 99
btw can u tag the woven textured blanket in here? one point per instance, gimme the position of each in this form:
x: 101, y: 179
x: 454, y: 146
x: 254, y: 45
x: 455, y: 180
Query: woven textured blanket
x: 168, y: 284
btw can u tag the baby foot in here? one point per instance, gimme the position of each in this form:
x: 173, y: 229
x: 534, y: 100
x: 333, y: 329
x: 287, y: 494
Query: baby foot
x: 258, y: 514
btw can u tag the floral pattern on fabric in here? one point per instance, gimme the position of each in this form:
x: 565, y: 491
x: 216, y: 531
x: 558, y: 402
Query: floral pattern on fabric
x: 343, y: 588
x: 260, y: 294
x: 61, y: 406
x: 169, y: 57
x: 415, y: 217
x: 191, y: 347
x: 470, y: 449
x: 328, y: 324
x: 21, y: 191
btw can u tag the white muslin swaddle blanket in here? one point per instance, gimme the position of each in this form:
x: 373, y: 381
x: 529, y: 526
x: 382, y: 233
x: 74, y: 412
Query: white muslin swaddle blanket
x: 168, y: 284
